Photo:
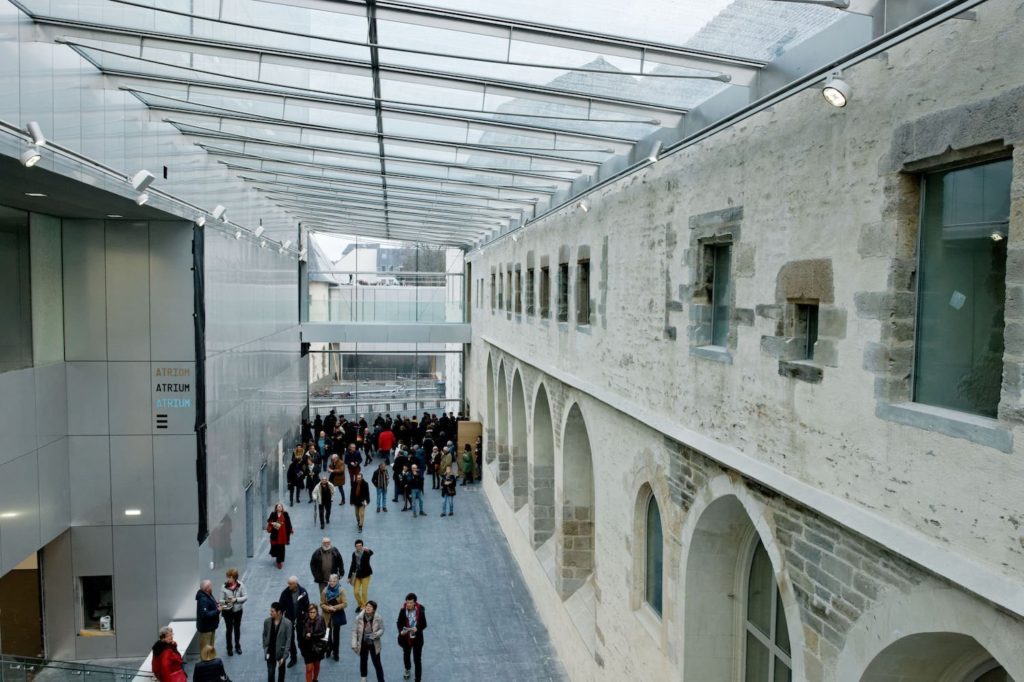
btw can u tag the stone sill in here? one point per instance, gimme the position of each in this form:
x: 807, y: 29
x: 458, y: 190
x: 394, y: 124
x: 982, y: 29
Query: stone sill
x: 971, y: 427
x: 650, y: 621
x: 715, y: 353
x: 583, y: 328
x: 801, y: 370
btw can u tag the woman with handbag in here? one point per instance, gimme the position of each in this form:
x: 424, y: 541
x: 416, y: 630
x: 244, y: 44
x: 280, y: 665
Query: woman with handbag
x: 333, y: 605
x: 279, y: 525
x: 311, y: 642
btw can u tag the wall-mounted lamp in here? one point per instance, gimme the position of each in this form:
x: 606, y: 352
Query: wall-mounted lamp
x: 30, y: 157
x: 583, y: 205
x: 263, y: 243
x: 142, y: 180
x: 142, y: 198
x: 238, y: 234
x: 201, y: 221
x: 836, y: 91
x: 38, y: 139
x: 218, y: 213
x: 302, y: 255
x: 655, y: 150
x: 998, y: 235
x: 287, y: 243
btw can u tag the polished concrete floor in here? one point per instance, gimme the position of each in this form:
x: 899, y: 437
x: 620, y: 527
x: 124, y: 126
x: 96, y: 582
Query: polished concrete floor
x: 482, y: 624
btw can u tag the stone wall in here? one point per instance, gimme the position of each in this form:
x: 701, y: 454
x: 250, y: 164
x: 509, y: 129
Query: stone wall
x: 820, y: 204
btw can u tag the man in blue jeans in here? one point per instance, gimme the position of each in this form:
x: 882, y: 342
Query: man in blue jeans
x: 448, y: 494
x: 380, y: 482
x: 417, y: 491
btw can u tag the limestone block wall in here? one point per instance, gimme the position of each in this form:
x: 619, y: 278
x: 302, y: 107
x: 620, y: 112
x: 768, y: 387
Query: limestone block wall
x: 864, y: 501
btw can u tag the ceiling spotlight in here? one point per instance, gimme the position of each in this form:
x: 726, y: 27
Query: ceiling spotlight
x: 515, y: 237
x: 36, y: 132
x: 218, y: 212
x: 142, y: 180
x: 201, y: 220
x: 583, y: 205
x: 837, y: 92
x: 287, y: 243
x: 998, y: 235
x: 30, y: 157
x: 263, y: 243
x: 142, y: 199
x: 281, y: 250
x: 655, y: 150
x: 259, y: 231
x: 302, y: 254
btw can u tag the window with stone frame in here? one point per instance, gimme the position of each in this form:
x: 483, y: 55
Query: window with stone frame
x: 653, y: 564
x: 583, y: 291
x: 508, y: 289
x: 717, y: 283
x: 766, y: 650
x: 545, y: 290
x: 494, y: 292
x: 961, y: 294
x: 562, y: 309
x: 531, y: 308
x: 519, y: 290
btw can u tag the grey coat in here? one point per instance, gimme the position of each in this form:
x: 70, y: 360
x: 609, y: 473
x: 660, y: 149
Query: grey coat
x: 376, y: 628
x: 239, y: 595
x: 284, y: 638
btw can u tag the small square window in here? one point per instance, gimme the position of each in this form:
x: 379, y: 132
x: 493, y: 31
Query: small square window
x: 97, y: 594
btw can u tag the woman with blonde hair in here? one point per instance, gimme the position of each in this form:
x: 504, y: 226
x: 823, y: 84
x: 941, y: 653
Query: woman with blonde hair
x: 333, y: 603
x: 232, y: 600
x: 209, y: 668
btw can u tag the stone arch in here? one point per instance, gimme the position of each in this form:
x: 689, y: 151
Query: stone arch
x: 542, y: 472
x: 934, y: 617
x: 642, y: 556
x: 718, y: 539
x: 491, y: 418
x: 501, y: 425
x: 575, y: 550
x: 517, y: 444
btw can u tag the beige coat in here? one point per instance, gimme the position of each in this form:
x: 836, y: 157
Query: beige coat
x: 377, y: 627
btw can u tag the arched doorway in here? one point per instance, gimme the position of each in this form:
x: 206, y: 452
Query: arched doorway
x: 543, y: 471
x: 520, y: 477
x: 935, y: 657
x: 575, y: 550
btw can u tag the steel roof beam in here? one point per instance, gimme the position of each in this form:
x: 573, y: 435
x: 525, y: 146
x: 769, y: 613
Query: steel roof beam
x: 377, y: 200
x: 420, y: 218
x: 425, y: 209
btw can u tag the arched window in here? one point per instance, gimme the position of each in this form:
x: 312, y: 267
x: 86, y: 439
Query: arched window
x: 653, y: 574
x: 767, y: 655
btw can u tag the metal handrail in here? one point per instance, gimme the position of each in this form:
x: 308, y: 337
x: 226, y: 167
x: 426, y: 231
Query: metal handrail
x: 36, y: 666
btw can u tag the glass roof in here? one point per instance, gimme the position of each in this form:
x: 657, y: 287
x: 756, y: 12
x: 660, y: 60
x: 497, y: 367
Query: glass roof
x: 440, y: 120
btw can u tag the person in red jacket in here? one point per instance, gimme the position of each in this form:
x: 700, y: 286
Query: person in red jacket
x: 385, y: 442
x: 166, y: 663
x: 279, y: 525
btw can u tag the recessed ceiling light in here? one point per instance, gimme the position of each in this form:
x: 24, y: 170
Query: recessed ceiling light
x: 34, y: 194
x: 133, y: 512
x: 114, y: 215
x: 8, y: 515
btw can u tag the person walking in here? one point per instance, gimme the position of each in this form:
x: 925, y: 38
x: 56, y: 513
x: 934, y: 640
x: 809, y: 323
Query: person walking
x: 294, y: 601
x: 360, y: 573
x: 310, y: 472
x: 467, y: 465
x: 448, y: 484
x: 279, y: 525
x: 336, y: 475
x: 166, y: 663
x: 277, y: 636
x: 397, y: 467
x: 412, y: 621
x: 366, y: 640
x: 359, y: 498
x: 385, y: 442
x: 479, y: 452
x: 296, y: 480
x: 311, y: 642
x: 232, y: 599
x: 207, y: 614
x: 446, y: 463
x: 380, y: 481
x: 407, y: 481
x: 333, y: 604
x: 435, y: 468
x: 416, y: 487
x: 323, y: 493
x: 325, y: 560
x: 209, y: 668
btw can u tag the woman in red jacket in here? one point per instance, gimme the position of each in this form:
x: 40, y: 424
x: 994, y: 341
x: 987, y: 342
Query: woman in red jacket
x: 279, y: 525
x: 166, y: 664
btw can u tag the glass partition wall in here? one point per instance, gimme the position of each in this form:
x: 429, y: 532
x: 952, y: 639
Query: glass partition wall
x: 386, y: 378
x: 361, y: 280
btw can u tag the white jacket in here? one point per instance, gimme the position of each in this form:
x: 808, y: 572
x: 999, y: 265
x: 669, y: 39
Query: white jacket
x: 316, y: 490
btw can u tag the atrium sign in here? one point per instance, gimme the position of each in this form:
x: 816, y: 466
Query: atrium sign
x: 174, y: 402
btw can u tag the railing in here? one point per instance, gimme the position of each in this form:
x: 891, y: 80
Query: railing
x: 19, y: 669
x: 385, y: 297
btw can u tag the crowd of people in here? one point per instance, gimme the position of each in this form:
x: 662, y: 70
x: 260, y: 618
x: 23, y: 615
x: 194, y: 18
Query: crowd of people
x: 331, y: 455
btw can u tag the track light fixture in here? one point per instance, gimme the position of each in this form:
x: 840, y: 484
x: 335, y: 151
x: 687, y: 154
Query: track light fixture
x: 259, y: 231
x: 142, y: 180
x: 218, y: 212
x: 238, y: 234
x: 201, y: 221
x: 287, y: 243
x: 998, y: 235
x: 142, y: 198
x: 583, y: 205
x: 302, y: 255
x: 655, y: 150
x: 30, y: 156
x: 38, y: 139
x: 836, y: 91
x: 263, y: 243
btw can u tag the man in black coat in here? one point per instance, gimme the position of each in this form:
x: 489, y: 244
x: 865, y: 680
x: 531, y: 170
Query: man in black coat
x: 294, y: 601
x: 326, y: 560
x: 401, y: 461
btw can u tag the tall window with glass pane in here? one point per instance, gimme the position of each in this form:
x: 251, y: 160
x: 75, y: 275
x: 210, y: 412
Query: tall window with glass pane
x: 653, y: 572
x: 721, y: 293
x: 767, y: 654
x: 961, y: 288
